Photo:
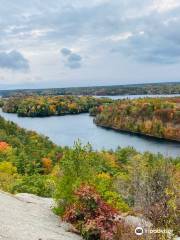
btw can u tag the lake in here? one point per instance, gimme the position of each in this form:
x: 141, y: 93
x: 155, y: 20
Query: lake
x: 65, y: 130
x: 139, y: 96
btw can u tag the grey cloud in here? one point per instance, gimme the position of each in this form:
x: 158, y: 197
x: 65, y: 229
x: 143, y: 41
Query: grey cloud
x: 73, y: 20
x: 157, y: 41
x: 72, y: 60
x: 69, y: 19
x: 66, y: 51
x: 13, y: 60
x: 74, y: 57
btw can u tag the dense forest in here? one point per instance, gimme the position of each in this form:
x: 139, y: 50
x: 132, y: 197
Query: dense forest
x: 158, y: 117
x: 132, y: 89
x: 92, y: 188
x: 41, y: 106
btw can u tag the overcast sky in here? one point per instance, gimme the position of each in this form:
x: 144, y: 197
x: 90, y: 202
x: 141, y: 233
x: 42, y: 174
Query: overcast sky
x: 59, y: 43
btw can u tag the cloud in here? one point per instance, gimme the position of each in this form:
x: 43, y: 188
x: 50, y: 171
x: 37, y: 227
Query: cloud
x: 142, y: 33
x: 74, y: 57
x: 13, y: 60
x: 114, y: 21
x: 155, y: 40
x: 73, y: 64
x: 66, y: 51
x: 72, y: 60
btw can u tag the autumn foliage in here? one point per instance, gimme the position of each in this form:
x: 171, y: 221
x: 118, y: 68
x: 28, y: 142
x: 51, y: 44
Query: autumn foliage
x: 94, y: 218
x: 92, y: 188
x: 47, y: 165
x: 4, y: 146
x: 157, y: 117
x: 41, y: 106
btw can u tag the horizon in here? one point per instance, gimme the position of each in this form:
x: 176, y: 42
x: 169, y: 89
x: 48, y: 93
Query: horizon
x: 92, y: 86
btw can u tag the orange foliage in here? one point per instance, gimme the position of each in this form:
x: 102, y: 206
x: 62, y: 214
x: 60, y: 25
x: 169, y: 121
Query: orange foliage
x: 4, y: 146
x: 100, y: 108
x: 47, y: 165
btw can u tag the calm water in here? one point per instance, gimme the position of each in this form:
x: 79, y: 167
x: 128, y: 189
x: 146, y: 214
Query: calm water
x: 139, y: 96
x: 64, y: 130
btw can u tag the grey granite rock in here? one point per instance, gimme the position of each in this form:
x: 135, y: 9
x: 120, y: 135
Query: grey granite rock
x: 28, y: 217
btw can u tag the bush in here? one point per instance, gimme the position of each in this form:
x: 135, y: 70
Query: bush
x: 94, y: 218
x: 8, y: 175
x: 105, y: 186
x: 36, y: 184
x: 76, y: 167
x: 81, y: 165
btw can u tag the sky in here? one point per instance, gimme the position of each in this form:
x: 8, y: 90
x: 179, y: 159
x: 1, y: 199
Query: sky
x: 64, y: 43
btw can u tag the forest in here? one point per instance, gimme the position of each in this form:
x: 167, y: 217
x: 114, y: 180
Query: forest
x: 42, y: 106
x: 157, y: 117
x: 92, y: 188
x: 130, y: 89
x: 154, y: 117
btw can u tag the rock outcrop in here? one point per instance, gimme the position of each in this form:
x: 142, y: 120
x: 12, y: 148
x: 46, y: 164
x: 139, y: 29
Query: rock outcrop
x: 28, y: 217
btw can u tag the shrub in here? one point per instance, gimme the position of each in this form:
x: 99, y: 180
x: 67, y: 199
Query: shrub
x: 4, y: 146
x: 94, y: 218
x: 47, y: 165
x: 105, y: 186
x: 76, y: 167
x: 150, y: 184
x: 8, y: 175
x: 36, y: 184
x: 81, y: 165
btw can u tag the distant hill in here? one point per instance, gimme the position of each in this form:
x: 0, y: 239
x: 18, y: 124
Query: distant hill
x: 132, y: 89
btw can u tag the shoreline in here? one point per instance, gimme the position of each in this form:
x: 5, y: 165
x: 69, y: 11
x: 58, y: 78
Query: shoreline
x: 143, y: 135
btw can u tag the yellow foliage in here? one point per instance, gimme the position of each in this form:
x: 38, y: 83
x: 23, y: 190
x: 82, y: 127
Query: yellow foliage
x: 8, y: 175
x: 7, y: 167
x: 104, y: 176
x: 148, y: 126
x: 111, y: 159
x: 56, y: 171
x: 52, y: 108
